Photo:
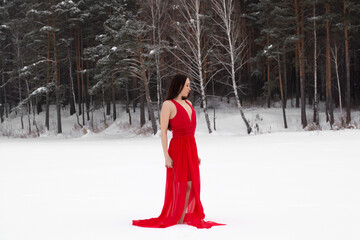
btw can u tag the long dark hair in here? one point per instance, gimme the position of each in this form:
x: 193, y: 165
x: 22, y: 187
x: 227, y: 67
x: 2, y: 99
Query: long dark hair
x: 176, y: 86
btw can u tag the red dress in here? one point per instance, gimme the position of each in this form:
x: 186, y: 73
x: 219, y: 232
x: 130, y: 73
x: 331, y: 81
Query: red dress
x: 183, y: 152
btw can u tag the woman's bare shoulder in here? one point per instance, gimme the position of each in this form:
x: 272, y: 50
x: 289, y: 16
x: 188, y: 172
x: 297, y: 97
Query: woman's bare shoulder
x: 168, y: 104
x: 189, y: 102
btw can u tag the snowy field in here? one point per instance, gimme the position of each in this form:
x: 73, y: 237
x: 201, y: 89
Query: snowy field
x: 288, y: 184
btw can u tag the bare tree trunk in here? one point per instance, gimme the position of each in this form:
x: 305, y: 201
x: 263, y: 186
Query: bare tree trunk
x: 92, y: 112
x: 81, y: 62
x: 128, y: 102
x: 335, y: 59
x: 328, y: 70
x: 77, y: 46
x: 5, y: 106
x: 87, y: 102
x: 149, y: 105
x: 72, y: 97
x: 142, y: 110
x: 238, y: 104
x: 20, y: 108
x: 30, y: 107
x: 316, y: 97
x: 213, y: 93
x: 302, y: 68
x: 159, y: 84
x: 104, y: 106
x: 47, y: 108
x: 347, y: 59
x: 113, y: 98
x: 57, y: 80
x: 281, y: 87
x: 2, y: 89
x: 134, y: 86
x: 297, y: 80
x: 72, y: 86
x: 19, y: 66
x: 35, y: 123
x: 285, y: 82
x: 301, y: 51
x: 268, y: 73
x: 108, y: 102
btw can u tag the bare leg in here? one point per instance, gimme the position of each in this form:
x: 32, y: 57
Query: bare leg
x: 188, y: 188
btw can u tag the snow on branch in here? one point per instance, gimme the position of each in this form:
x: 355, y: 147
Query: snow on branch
x: 35, y: 93
x: 48, y: 29
x: 29, y: 67
x: 38, y: 13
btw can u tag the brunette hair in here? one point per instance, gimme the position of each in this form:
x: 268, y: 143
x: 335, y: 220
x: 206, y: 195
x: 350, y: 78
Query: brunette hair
x: 176, y: 86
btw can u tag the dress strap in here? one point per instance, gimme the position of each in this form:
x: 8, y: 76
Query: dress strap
x: 175, y: 102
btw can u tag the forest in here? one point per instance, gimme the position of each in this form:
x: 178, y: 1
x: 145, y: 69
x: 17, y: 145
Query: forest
x: 87, y: 55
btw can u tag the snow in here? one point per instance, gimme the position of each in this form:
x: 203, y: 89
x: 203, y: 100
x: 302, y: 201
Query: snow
x: 113, y: 48
x: 153, y: 51
x: 75, y: 10
x: 25, y: 68
x: 286, y: 184
x: 39, y: 90
x: 34, y: 11
x: 46, y: 29
x: 66, y: 3
x: 267, y: 48
x: 316, y: 18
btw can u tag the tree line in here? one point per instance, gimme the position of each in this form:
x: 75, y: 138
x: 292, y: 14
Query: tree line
x: 88, y: 55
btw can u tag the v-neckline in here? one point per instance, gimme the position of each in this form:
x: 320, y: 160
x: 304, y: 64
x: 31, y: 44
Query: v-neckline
x: 190, y: 118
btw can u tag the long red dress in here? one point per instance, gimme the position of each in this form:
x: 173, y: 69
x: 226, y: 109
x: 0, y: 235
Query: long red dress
x: 183, y: 152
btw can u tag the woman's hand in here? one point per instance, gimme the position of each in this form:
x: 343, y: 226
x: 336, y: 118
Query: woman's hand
x: 199, y: 161
x: 168, y: 162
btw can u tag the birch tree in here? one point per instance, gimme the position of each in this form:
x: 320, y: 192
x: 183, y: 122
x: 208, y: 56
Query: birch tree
x: 235, y: 50
x: 157, y: 17
x: 335, y: 59
x: 189, y: 49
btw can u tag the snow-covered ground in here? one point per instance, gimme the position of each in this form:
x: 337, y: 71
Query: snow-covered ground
x: 289, y: 184
x: 228, y: 122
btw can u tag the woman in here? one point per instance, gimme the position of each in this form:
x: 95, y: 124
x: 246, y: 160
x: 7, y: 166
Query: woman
x: 182, y: 192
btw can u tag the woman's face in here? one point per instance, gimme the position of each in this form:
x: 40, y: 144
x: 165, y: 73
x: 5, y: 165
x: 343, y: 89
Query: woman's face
x: 186, y: 89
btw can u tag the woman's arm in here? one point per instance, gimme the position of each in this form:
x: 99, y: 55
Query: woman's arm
x: 164, y: 122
